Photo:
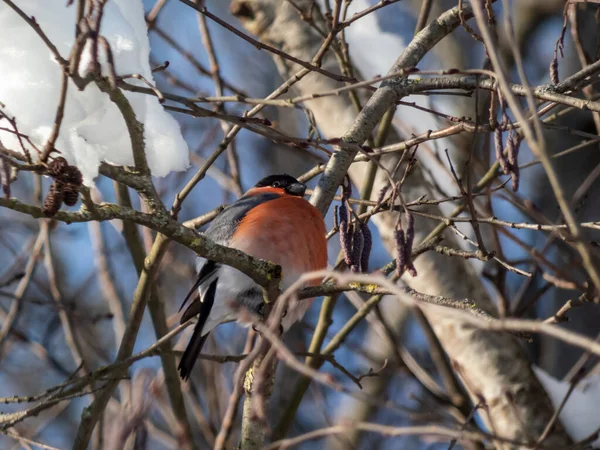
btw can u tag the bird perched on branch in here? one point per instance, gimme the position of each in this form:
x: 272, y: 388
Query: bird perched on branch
x: 271, y: 221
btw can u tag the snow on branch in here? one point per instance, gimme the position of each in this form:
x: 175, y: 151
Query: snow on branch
x: 92, y: 128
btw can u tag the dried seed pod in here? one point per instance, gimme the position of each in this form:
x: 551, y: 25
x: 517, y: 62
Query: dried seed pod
x: 336, y: 223
x: 558, y: 49
x: 514, y: 176
x: 367, y: 244
x: 499, y: 147
x: 54, y: 199
x: 404, y: 242
x: 345, y: 235
x: 57, y: 166
x: 411, y: 270
x: 512, y: 148
x: 72, y: 175
x: 410, y: 233
x: 409, y: 239
x: 70, y: 194
x: 554, y: 69
x: 343, y: 215
x: 346, y: 242
x: 400, y: 252
x: 357, y: 249
x: 60, y: 169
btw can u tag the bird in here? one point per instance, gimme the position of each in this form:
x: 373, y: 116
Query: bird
x: 271, y: 221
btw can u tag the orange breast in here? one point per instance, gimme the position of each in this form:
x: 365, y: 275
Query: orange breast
x: 288, y: 231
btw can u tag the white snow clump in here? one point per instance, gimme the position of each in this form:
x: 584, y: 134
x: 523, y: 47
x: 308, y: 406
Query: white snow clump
x: 582, y: 410
x: 93, y: 129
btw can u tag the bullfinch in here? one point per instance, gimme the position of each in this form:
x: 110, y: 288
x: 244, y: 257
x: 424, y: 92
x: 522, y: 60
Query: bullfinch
x: 272, y: 221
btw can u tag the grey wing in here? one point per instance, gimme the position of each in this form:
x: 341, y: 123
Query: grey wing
x: 220, y: 230
x: 223, y: 226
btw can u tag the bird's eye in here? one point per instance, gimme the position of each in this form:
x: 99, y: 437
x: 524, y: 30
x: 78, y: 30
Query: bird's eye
x: 276, y: 184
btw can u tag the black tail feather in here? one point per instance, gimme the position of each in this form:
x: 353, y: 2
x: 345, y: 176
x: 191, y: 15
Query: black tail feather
x: 209, y: 268
x: 194, y: 347
x: 192, y: 351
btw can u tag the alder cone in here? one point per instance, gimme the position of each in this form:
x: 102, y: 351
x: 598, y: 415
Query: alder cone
x: 57, y: 166
x: 70, y: 194
x: 72, y: 175
x: 54, y: 199
x: 60, y: 169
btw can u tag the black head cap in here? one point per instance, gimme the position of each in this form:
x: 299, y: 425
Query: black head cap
x: 283, y: 181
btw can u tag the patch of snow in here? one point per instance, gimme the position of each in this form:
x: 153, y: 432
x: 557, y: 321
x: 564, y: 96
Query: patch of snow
x: 582, y: 410
x: 374, y: 51
x: 93, y: 129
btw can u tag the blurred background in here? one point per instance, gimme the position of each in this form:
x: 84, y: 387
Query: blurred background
x: 96, y: 276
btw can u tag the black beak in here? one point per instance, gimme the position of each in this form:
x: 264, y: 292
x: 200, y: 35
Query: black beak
x: 296, y: 189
